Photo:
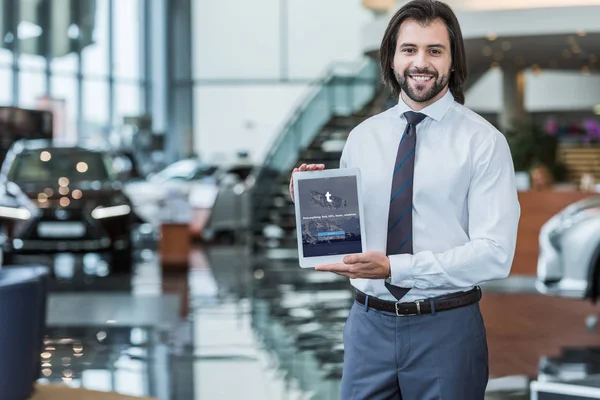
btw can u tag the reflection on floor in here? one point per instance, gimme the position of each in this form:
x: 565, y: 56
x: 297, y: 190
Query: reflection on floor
x: 236, y: 326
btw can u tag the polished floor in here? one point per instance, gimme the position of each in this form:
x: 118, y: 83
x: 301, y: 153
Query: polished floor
x: 236, y: 326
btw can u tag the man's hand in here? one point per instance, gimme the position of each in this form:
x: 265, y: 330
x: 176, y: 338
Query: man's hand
x: 303, y: 167
x: 369, y: 265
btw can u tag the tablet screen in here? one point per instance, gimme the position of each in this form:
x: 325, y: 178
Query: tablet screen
x: 330, y: 216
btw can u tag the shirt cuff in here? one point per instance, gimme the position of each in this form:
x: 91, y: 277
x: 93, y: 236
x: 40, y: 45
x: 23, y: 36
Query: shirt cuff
x: 401, y: 268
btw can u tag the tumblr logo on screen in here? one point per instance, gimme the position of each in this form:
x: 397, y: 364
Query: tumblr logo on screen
x: 328, y: 195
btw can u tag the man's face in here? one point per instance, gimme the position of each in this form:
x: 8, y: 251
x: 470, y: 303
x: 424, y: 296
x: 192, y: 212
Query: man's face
x: 423, y: 60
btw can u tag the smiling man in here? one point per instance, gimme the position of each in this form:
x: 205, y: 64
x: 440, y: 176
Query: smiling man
x: 441, y: 214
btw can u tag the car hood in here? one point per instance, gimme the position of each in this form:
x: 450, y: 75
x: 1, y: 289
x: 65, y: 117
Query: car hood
x: 91, y: 194
x: 580, y: 206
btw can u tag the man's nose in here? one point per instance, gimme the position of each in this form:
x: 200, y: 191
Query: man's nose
x: 421, y: 60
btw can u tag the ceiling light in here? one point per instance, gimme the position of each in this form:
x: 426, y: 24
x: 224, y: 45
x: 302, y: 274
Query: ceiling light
x: 492, y: 36
x: 495, y: 64
x: 28, y: 30
x: 45, y: 156
x: 536, y: 69
x: 63, y: 181
x: 506, y: 45
x: 487, y: 51
x: 82, y: 167
x: 581, y: 33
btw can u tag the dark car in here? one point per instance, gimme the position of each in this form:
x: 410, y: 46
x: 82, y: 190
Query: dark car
x: 79, y: 204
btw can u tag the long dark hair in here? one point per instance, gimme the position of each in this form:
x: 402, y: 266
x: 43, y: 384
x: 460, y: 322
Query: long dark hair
x: 425, y: 12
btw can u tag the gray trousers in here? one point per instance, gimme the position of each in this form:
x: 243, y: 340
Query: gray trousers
x: 423, y: 357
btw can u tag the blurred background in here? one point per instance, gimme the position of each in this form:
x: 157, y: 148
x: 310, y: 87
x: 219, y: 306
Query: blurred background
x: 147, y: 237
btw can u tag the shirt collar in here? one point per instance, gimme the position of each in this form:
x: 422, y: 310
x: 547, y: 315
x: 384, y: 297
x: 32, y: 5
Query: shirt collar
x: 436, y: 110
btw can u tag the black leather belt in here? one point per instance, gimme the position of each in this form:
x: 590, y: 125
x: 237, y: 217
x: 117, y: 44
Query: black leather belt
x: 442, y: 303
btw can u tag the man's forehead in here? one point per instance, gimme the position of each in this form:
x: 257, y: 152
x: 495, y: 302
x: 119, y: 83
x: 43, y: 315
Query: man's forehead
x: 423, y: 31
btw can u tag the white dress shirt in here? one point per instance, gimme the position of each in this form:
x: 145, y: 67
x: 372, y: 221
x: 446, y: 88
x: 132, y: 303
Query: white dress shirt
x: 465, y: 205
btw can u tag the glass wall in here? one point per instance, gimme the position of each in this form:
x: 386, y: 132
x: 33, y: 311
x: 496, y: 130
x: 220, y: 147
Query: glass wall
x: 81, y: 58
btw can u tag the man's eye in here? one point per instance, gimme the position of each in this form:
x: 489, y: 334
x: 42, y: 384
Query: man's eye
x: 409, y: 50
x: 436, y: 52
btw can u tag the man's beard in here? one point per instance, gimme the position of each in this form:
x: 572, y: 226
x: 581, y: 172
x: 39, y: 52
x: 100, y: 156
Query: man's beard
x: 421, y: 97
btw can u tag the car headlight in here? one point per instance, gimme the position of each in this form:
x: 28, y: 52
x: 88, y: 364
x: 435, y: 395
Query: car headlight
x: 110, y: 212
x: 15, y: 213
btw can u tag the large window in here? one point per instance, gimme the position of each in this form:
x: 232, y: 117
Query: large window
x: 66, y: 64
x: 7, y: 37
x: 32, y: 88
x: 128, y: 101
x: 32, y: 36
x: 96, y: 114
x: 64, y: 50
x: 96, y: 55
x: 6, y: 85
x: 64, y: 105
x: 126, y: 32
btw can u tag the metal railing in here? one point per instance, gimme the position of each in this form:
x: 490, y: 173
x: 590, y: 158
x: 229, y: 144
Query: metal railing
x: 344, y: 90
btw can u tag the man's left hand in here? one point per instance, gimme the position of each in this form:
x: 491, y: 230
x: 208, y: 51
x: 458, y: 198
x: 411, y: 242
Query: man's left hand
x: 369, y: 265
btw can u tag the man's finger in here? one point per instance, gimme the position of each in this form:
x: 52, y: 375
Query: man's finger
x: 357, y: 258
x: 341, y: 267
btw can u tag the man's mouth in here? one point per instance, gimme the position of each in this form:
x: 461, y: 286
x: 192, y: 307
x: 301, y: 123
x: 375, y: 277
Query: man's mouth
x: 421, y: 78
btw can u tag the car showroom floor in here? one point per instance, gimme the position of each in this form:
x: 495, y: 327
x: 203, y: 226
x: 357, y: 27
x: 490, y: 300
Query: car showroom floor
x: 221, y: 330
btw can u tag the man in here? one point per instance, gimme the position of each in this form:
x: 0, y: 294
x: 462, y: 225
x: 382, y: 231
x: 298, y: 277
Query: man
x: 441, y: 214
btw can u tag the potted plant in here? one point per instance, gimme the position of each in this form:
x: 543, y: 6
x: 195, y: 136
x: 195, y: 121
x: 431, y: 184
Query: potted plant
x: 531, y: 147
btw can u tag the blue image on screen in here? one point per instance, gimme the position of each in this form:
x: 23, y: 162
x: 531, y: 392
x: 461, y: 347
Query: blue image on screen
x: 330, y: 217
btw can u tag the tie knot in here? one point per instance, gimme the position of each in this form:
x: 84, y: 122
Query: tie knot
x: 414, y: 118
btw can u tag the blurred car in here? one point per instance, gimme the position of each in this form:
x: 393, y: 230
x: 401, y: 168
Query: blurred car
x: 181, y: 178
x: 75, y: 202
x: 231, y: 211
x: 569, y: 253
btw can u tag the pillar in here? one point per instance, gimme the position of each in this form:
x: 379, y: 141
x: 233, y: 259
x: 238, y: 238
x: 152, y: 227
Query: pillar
x: 513, y: 92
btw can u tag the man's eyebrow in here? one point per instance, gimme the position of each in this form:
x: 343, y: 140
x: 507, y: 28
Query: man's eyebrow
x: 435, y: 45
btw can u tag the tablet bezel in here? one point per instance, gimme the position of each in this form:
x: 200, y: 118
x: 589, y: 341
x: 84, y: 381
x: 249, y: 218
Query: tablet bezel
x: 312, y: 262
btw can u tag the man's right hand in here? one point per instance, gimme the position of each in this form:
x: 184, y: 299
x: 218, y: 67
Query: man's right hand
x: 303, y: 167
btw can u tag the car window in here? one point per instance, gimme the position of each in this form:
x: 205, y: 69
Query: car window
x: 204, y: 172
x: 48, y: 165
x: 181, y: 170
x: 241, y: 172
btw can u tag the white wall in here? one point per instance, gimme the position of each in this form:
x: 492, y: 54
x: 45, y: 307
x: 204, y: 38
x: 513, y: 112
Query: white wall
x: 235, y: 40
x: 551, y: 90
x: 515, y: 4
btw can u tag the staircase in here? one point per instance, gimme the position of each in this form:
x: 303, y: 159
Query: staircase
x: 316, y: 134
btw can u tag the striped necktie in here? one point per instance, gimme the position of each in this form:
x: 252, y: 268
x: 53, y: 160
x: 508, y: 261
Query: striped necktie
x: 399, y: 238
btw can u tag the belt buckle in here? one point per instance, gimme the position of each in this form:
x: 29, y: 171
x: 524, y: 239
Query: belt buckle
x: 417, y: 302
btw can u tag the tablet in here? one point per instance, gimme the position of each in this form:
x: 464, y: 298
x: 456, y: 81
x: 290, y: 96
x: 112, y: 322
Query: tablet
x: 329, y: 215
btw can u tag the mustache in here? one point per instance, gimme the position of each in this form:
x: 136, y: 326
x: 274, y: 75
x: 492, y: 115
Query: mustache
x: 417, y: 71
